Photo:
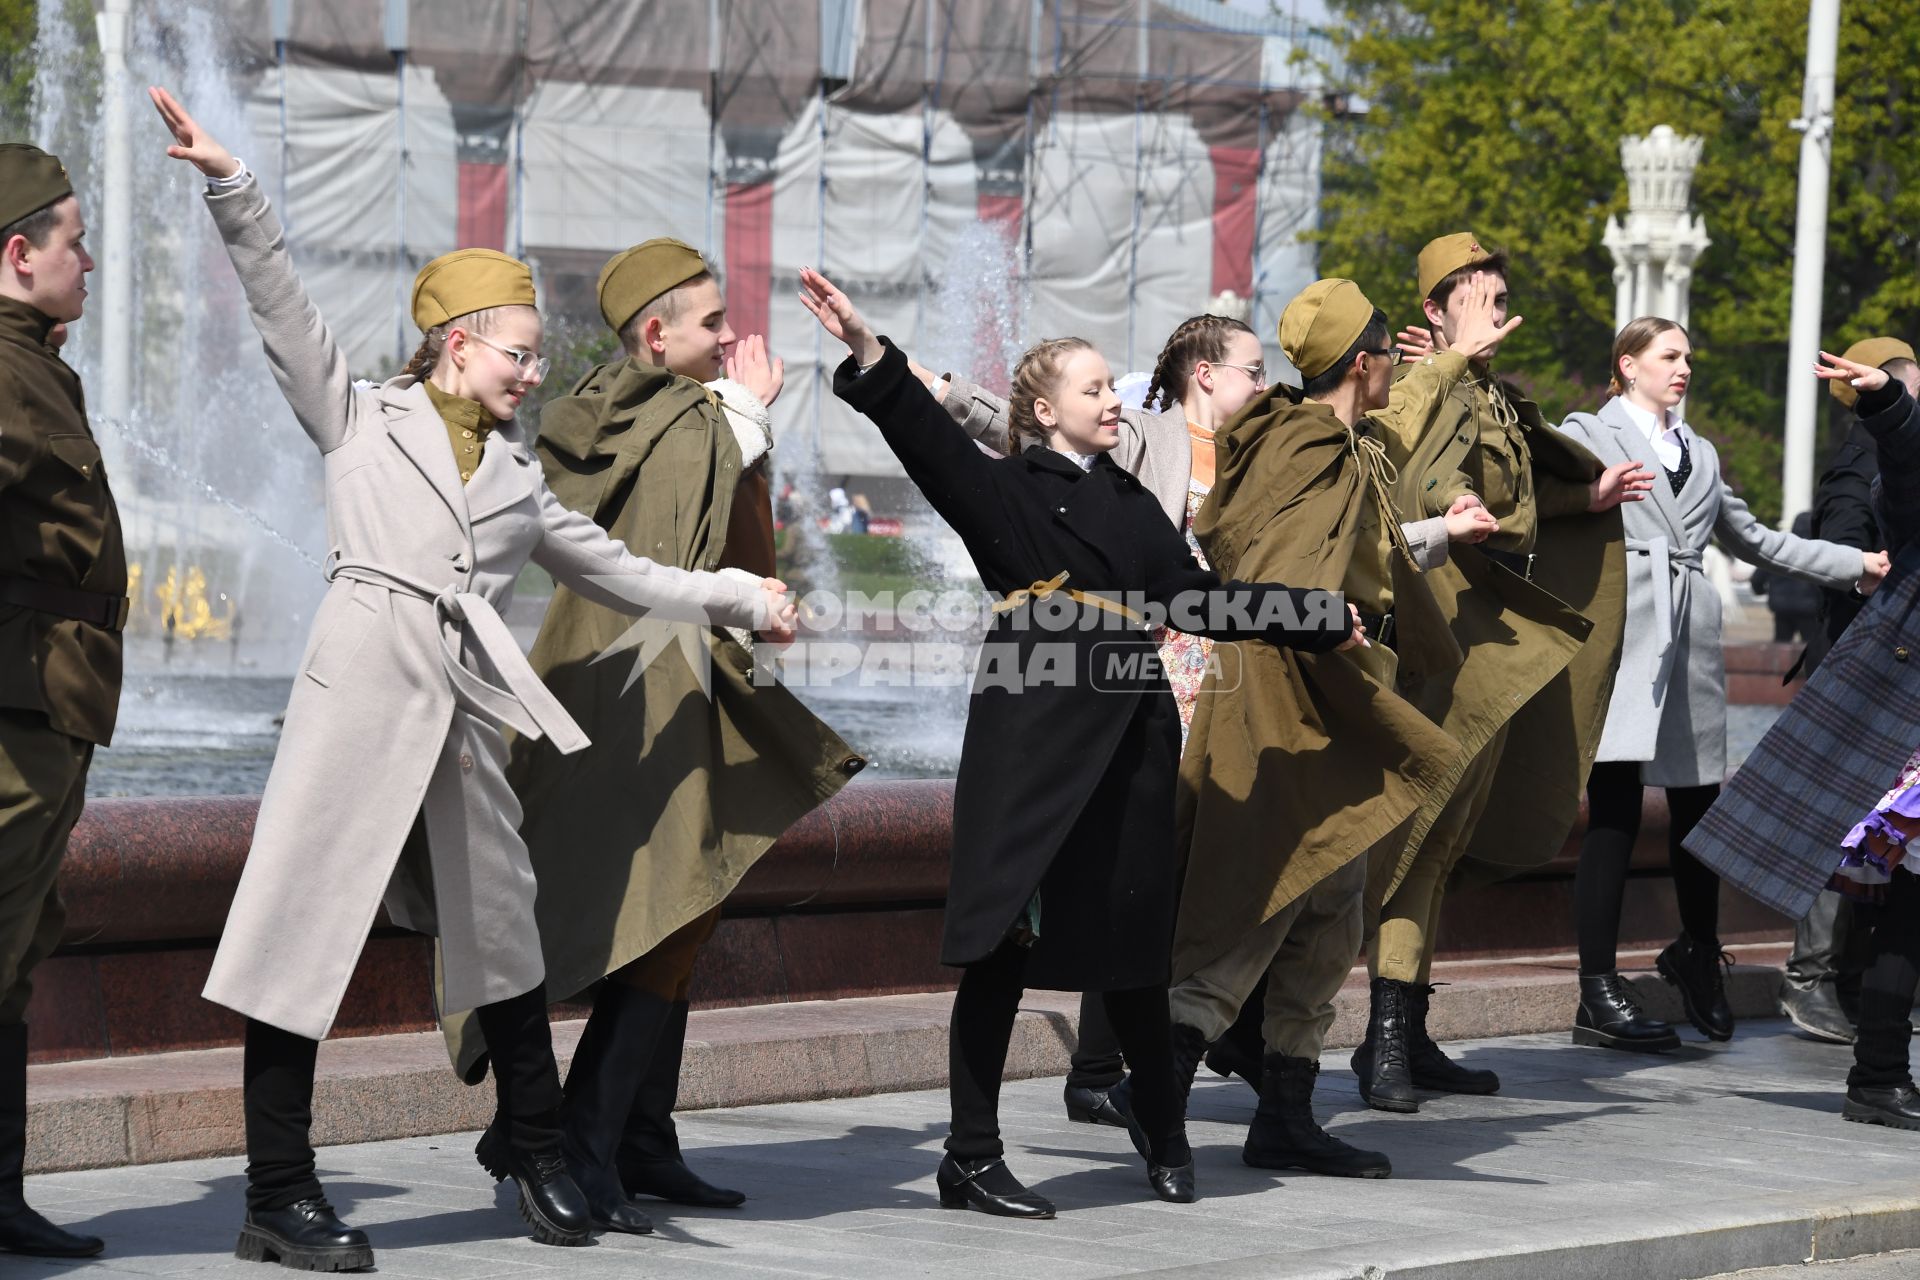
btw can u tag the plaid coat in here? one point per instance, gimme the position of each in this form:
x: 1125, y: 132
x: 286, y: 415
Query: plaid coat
x: 1775, y: 831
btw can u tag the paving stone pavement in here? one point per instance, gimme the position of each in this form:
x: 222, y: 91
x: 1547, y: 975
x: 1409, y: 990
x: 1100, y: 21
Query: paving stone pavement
x: 1588, y: 1163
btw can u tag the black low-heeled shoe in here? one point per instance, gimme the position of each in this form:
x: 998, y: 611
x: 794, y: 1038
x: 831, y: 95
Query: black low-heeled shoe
x: 989, y: 1186
x: 1172, y: 1183
x: 304, y: 1236
x: 1094, y: 1106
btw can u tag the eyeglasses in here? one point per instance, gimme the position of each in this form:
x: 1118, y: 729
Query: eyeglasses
x: 1392, y: 355
x: 531, y: 366
x: 1258, y: 372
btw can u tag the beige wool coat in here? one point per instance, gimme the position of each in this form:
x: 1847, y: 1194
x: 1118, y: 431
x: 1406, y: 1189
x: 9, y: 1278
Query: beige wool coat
x: 408, y: 678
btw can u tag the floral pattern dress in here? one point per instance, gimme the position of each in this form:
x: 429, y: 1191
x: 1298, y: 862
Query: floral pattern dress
x: 1877, y: 845
x: 1185, y: 657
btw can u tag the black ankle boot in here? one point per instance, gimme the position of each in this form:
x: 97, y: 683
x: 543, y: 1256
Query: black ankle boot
x: 1896, y: 1106
x: 529, y: 1099
x: 23, y: 1231
x: 1240, y: 1051
x: 1610, y: 1018
x: 621, y: 1037
x: 1699, y: 970
x: 1284, y: 1134
x: 305, y: 1236
x: 1093, y: 1106
x: 989, y: 1186
x: 1431, y: 1068
x: 649, y: 1159
x: 1383, y: 1061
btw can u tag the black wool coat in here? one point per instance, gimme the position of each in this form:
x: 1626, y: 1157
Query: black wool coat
x: 1067, y: 770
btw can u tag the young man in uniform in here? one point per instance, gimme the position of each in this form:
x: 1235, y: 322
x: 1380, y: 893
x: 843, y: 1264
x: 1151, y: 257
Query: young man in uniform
x: 63, y: 601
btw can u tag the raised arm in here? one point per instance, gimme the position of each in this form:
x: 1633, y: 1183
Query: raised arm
x: 580, y: 554
x: 306, y: 361
x: 1889, y: 415
x: 1199, y: 602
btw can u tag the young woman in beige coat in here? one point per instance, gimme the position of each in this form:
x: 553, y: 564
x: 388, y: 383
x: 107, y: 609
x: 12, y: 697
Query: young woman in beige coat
x: 435, y: 503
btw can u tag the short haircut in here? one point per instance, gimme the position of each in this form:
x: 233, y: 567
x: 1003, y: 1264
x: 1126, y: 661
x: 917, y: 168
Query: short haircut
x: 36, y: 226
x: 1454, y: 279
x: 1900, y: 367
x: 666, y: 307
x: 1372, y: 338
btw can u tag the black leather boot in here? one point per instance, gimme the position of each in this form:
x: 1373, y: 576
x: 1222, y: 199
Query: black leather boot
x: 528, y: 1085
x: 1699, y: 971
x: 621, y: 1037
x: 1610, y: 1018
x: 649, y: 1158
x: 304, y: 1236
x: 1384, y: 1061
x: 989, y: 1186
x: 1433, y: 1069
x: 1284, y: 1134
x: 1239, y: 1052
x: 21, y: 1229
x: 1896, y: 1106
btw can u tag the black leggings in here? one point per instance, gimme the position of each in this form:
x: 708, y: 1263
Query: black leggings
x: 982, y: 1028
x: 1887, y: 988
x: 1613, y: 826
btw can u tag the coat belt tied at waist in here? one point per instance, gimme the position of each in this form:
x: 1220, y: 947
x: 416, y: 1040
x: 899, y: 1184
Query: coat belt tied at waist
x: 1041, y: 590
x: 1667, y: 561
x: 525, y: 705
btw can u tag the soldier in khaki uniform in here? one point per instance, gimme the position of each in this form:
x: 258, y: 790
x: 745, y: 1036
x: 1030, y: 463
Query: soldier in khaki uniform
x: 671, y: 458
x: 63, y: 596
x: 1539, y: 610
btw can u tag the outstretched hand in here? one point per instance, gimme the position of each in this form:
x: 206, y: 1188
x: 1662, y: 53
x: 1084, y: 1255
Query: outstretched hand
x: 1874, y: 568
x: 191, y: 142
x: 1861, y: 377
x: 1415, y: 343
x: 749, y: 365
x: 1621, y: 482
x: 781, y: 613
x: 839, y: 317
x: 1356, y: 638
x: 1468, y: 520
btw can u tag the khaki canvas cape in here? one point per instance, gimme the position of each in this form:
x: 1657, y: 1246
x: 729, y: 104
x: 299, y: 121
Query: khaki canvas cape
x: 1541, y: 652
x: 654, y: 824
x: 1298, y: 763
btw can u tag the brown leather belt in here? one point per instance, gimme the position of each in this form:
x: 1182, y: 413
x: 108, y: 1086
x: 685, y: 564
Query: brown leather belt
x: 95, y: 607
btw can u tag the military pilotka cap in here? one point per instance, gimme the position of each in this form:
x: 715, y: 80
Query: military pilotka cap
x: 469, y: 280
x: 30, y: 180
x: 1872, y: 352
x: 1322, y: 323
x: 1442, y: 257
x: 634, y: 277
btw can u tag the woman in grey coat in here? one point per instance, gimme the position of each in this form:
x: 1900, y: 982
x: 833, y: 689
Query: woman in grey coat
x: 1667, y: 723
x: 435, y: 503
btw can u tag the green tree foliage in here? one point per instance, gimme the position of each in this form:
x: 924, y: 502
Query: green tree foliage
x: 17, y: 24
x: 1506, y: 118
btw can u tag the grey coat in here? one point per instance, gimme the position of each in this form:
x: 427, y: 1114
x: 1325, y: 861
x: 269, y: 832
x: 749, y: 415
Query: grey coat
x: 408, y: 678
x: 1669, y: 707
x: 1157, y: 451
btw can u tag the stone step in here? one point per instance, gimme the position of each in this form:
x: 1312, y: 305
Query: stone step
x: 186, y: 1105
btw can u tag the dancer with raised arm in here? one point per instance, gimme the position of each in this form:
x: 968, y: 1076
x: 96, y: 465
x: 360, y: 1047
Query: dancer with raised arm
x: 435, y: 503
x: 1063, y: 867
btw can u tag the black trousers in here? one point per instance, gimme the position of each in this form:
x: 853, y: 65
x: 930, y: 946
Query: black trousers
x: 277, y: 1096
x: 1614, y: 796
x: 1887, y: 987
x: 982, y: 1027
x: 1097, y: 1062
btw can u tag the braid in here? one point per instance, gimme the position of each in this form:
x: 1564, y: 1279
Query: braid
x: 434, y: 340
x: 1197, y: 338
x: 1034, y: 377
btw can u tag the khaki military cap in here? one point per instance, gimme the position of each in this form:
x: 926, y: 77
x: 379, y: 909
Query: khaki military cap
x: 30, y: 180
x: 1872, y: 352
x: 634, y: 277
x: 1322, y: 323
x: 469, y: 280
x: 1442, y: 257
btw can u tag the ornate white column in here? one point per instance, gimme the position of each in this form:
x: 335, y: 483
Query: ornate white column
x: 1655, y: 248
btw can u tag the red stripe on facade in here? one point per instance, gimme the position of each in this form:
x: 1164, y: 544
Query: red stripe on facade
x: 483, y: 206
x: 749, y: 256
x: 1236, y: 172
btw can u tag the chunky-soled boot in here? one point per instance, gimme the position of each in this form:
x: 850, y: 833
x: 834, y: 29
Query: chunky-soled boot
x: 1284, y: 1134
x: 1610, y: 1018
x: 1699, y: 970
x: 304, y: 1236
x: 1897, y: 1106
x: 649, y: 1157
x: 1383, y: 1062
x: 22, y: 1230
x: 525, y: 1142
x: 1433, y: 1069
